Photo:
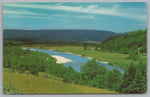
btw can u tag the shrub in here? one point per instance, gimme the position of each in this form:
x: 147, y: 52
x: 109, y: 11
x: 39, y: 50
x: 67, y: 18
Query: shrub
x: 11, y: 90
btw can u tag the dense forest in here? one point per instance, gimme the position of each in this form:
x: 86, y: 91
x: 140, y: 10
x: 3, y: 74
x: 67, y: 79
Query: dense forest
x: 133, y: 42
x: 92, y: 74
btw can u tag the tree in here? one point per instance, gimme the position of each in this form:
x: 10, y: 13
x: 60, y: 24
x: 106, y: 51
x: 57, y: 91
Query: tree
x: 70, y: 75
x: 85, y: 47
x: 139, y: 84
x: 100, y: 81
x: 128, y: 78
x: 113, y: 80
x: 33, y: 69
x: 89, y: 70
x: 133, y: 54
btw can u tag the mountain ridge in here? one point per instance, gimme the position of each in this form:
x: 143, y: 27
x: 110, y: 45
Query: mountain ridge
x: 59, y: 34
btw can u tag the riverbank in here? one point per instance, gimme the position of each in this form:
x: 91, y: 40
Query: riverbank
x: 114, y: 59
x: 74, y: 60
x: 61, y: 59
x: 82, y: 56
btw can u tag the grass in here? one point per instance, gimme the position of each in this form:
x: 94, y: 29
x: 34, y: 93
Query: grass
x: 30, y: 84
x: 115, y: 59
x: 49, y: 76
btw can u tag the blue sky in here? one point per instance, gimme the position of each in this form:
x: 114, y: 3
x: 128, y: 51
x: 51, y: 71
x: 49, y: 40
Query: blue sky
x: 111, y: 16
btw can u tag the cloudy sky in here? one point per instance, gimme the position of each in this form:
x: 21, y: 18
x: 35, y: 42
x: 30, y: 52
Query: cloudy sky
x: 117, y: 17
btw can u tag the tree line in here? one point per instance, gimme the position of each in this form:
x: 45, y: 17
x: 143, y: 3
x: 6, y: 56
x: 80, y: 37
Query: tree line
x: 46, y: 43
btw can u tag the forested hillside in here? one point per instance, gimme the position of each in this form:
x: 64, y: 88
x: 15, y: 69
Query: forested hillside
x: 134, y: 41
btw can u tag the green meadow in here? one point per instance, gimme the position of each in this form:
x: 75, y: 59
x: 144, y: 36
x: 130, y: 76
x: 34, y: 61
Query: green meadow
x: 31, y: 84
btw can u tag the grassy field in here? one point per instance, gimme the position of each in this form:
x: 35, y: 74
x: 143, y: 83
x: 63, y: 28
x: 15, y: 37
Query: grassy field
x: 30, y: 84
x: 115, y: 59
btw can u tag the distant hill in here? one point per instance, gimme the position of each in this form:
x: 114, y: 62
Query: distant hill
x: 61, y: 34
x: 136, y: 40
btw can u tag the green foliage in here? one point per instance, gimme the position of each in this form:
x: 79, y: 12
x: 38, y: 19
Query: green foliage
x: 133, y: 53
x: 88, y: 70
x: 91, y: 69
x: 85, y: 47
x: 132, y: 81
x: 135, y: 79
x: 92, y: 74
x: 124, y: 43
x: 70, y: 75
x: 98, y: 76
x: 11, y: 90
x: 23, y: 60
x: 45, y: 43
x: 113, y: 79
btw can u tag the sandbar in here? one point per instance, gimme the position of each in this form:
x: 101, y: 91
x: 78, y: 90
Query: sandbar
x: 61, y: 59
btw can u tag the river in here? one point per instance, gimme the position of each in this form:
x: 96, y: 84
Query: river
x: 77, y: 61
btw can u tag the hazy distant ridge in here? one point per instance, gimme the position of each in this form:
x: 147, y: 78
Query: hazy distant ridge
x: 64, y: 34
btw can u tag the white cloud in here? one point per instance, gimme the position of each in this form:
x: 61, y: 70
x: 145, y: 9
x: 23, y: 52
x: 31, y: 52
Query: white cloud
x: 92, y: 9
x: 19, y: 12
x: 60, y: 15
x: 23, y: 16
x: 76, y: 16
x: 86, y: 16
x: 28, y: 14
x: 93, y: 6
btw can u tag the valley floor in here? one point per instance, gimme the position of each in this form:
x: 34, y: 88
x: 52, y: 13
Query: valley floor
x: 115, y: 59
